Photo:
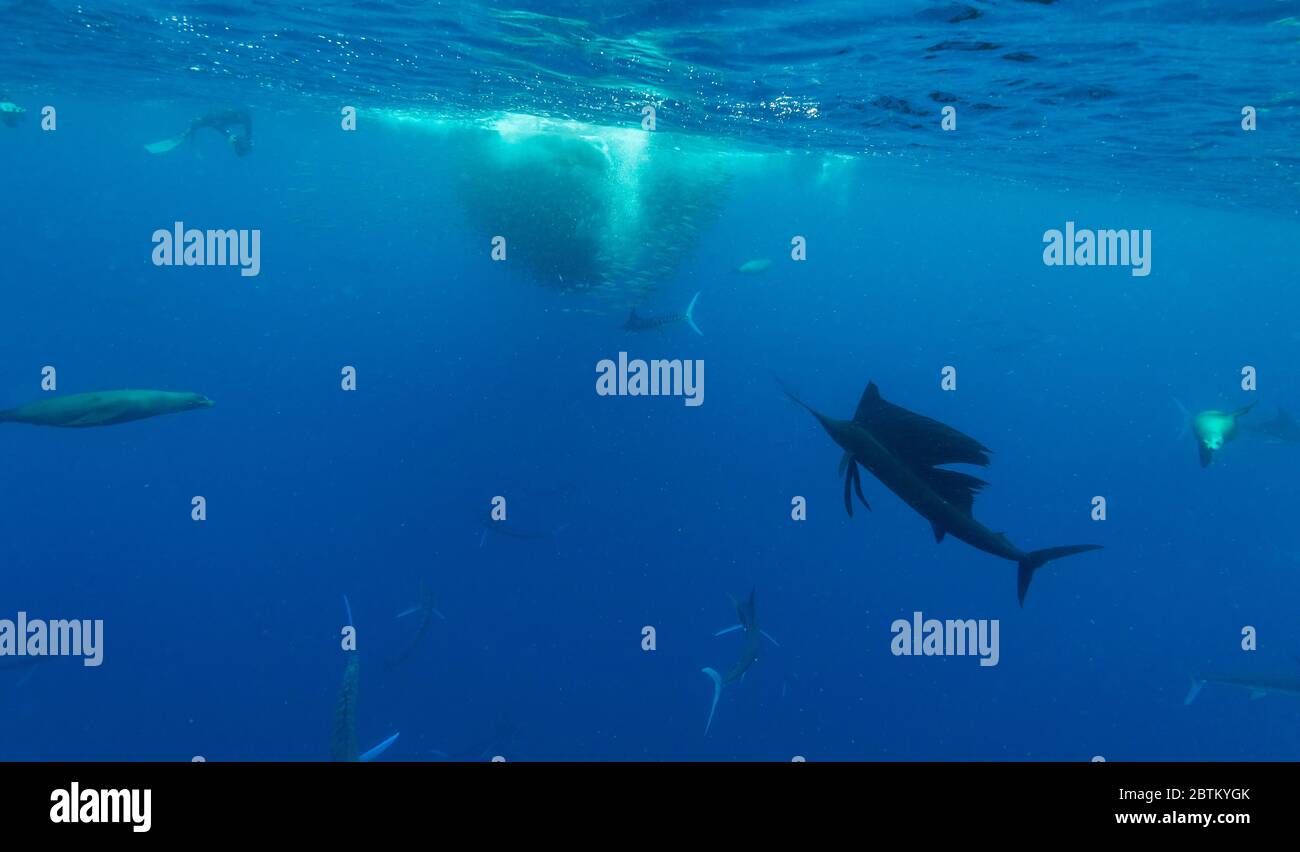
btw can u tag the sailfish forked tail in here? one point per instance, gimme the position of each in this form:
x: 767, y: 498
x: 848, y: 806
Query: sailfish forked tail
x: 717, y: 692
x: 690, y: 315
x: 1034, y: 560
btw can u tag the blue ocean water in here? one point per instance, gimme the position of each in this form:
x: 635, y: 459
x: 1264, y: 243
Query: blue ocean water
x: 476, y: 378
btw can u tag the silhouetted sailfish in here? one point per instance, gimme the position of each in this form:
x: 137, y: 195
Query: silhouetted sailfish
x: 427, y: 612
x: 1282, y: 428
x: 638, y: 322
x: 754, y: 637
x: 903, y: 449
x: 1257, y: 685
x: 344, y: 746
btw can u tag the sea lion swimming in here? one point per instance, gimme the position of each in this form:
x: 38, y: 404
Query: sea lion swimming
x: 225, y: 122
x: 104, y: 408
x: 10, y: 112
x: 1213, y: 429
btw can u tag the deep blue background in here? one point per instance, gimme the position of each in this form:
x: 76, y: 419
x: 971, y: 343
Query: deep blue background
x: 221, y: 637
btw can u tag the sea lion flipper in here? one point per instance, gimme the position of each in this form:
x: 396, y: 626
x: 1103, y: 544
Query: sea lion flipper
x: 166, y: 145
x: 956, y: 487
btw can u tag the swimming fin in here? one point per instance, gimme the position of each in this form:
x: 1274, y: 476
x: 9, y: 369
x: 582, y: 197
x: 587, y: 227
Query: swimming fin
x: 165, y: 145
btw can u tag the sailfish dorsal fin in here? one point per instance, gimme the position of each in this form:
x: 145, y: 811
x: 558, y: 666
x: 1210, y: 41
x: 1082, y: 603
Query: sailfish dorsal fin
x: 916, y: 439
x: 954, y: 486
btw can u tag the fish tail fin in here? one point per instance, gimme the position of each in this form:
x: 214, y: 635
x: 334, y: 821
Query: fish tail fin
x: 379, y: 749
x: 1034, y: 560
x: 1197, y: 683
x: 690, y: 315
x: 717, y: 691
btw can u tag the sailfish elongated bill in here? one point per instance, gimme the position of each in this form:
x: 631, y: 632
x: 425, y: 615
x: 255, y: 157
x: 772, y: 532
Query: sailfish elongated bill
x: 903, y: 449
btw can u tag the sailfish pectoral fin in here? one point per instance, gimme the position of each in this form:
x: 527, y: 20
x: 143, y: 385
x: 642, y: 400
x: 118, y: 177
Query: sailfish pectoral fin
x: 717, y: 691
x: 857, y: 486
x: 848, y: 493
x: 852, y: 483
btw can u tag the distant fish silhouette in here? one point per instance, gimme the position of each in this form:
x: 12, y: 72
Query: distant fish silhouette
x: 1281, y: 428
x: 344, y: 745
x: 103, y: 408
x: 754, y: 267
x: 510, y: 529
x: 500, y: 743
x: 1257, y: 685
x: 427, y: 612
x: 637, y: 322
x: 754, y: 637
